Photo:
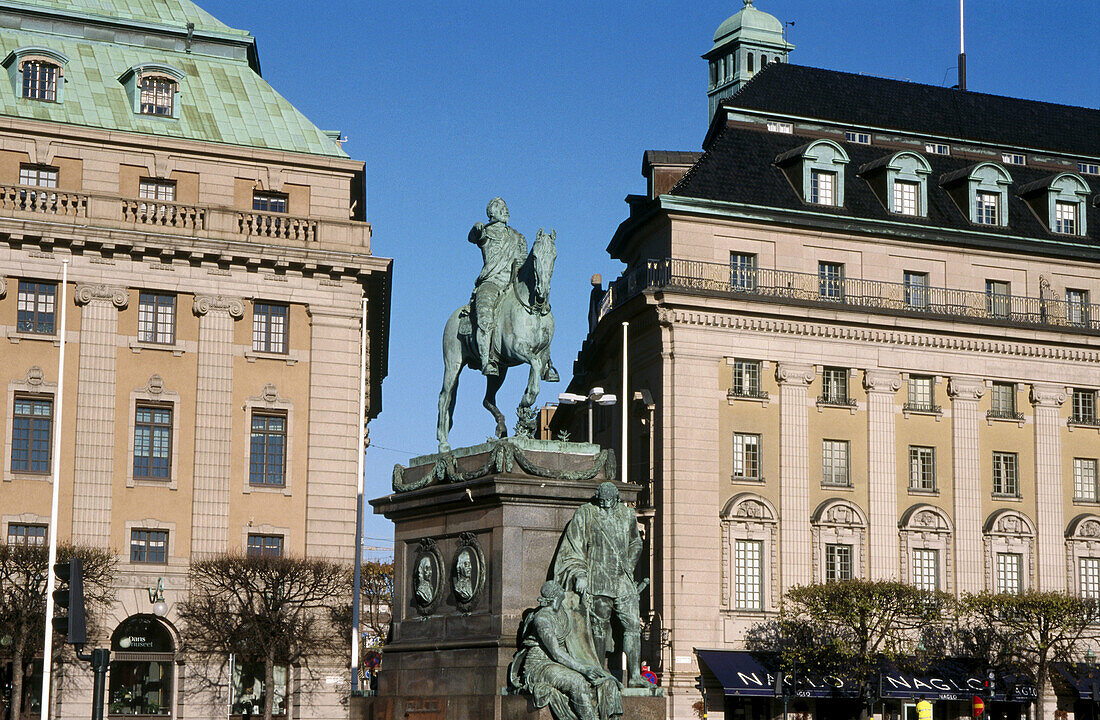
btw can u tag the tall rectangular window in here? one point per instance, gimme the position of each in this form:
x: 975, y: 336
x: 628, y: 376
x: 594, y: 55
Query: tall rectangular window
x: 834, y: 463
x: 37, y: 305
x: 153, y: 442
x: 1084, y: 479
x: 748, y: 574
x: 998, y: 298
x: 1006, y: 479
x: 1009, y: 566
x: 1077, y: 307
x: 838, y: 562
x: 916, y: 289
x: 1084, y: 406
x: 834, y: 386
x: 830, y: 281
x: 926, y: 569
x: 27, y: 534
x: 743, y: 272
x: 38, y: 176
x: 267, y: 452
x: 265, y: 545
x: 920, y: 393
x: 986, y: 208
x: 746, y: 456
x: 906, y: 197
x: 31, y: 432
x: 746, y: 378
x: 157, y: 318
x: 269, y: 202
x: 269, y: 327
x: 922, y: 468
x: 1002, y: 400
x: 1065, y: 217
x: 157, y: 189
x: 1089, y: 569
x: 822, y: 187
x: 40, y: 80
x: 149, y: 546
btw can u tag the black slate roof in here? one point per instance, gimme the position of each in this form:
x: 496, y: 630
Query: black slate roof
x: 864, y: 100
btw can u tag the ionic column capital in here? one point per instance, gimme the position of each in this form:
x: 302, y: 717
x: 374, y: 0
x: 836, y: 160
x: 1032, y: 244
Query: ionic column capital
x: 965, y: 388
x: 87, y: 294
x: 793, y: 374
x: 1048, y: 395
x: 218, y: 303
x: 881, y: 381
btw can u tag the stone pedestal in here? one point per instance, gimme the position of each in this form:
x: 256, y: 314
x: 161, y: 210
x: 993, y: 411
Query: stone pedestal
x: 504, y: 512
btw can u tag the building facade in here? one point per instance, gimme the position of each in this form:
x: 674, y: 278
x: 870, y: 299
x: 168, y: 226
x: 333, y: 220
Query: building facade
x: 218, y: 263
x: 863, y: 343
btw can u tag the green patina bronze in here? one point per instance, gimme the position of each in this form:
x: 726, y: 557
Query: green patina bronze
x: 508, y: 321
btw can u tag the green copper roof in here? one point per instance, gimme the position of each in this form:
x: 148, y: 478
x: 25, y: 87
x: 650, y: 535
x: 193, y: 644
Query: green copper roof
x: 161, y: 12
x: 752, y: 25
x: 221, y: 100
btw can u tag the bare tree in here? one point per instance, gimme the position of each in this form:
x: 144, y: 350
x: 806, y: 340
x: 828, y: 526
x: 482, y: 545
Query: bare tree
x: 24, y: 571
x: 376, y: 591
x: 272, y: 610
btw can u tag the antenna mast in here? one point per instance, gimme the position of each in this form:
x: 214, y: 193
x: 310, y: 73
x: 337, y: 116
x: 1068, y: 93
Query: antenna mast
x: 962, y: 46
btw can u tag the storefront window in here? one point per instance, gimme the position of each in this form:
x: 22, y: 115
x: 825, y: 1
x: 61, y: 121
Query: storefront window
x: 32, y: 686
x: 248, y: 689
x: 141, y: 669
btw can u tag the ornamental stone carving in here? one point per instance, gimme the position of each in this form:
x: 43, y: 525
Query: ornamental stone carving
x: 1048, y: 395
x: 117, y: 296
x: 1010, y: 522
x: 155, y: 386
x: 468, y: 572
x: 219, y: 303
x: 427, y: 579
x: 3, y: 286
x: 793, y: 373
x: 882, y: 381
x: 34, y: 377
x: 965, y: 388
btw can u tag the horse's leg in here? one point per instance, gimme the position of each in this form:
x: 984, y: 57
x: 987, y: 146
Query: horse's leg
x: 452, y: 367
x: 525, y: 427
x: 492, y: 384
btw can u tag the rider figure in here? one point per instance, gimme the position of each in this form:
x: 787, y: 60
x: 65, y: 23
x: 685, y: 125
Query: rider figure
x: 501, y: 246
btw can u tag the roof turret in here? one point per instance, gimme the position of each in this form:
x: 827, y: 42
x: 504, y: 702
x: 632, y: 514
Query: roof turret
x: 752, y: 24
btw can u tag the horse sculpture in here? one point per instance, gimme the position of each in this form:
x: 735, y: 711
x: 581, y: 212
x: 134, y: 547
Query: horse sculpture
x: 523, y: 331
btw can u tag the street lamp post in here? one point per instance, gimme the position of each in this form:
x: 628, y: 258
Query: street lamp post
x: 595, y: 396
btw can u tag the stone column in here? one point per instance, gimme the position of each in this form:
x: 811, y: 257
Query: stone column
x: 882, y: 472
x: 1047, y: 399
x: 213, y: 422
x: 795, y: 544
x: 94, y: 438
x: 966, y: 453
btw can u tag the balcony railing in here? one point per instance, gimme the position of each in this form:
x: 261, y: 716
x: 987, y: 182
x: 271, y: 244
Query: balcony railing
x: 278, y: 226
x: 921, y: 408
x: 164, y: 214
x: 1004, y: 415
x: 47, y: 201
x: 873, y: 295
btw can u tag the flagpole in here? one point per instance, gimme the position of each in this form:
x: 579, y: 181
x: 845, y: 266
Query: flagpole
x: 357, y: 570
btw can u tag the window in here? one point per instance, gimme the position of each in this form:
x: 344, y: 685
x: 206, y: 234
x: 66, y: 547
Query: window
x: 916, y: 289
x: 155, y: 189
x: 269, y: 202
x: 1006, y: 480
x: 158, y: 95
x: 906, y: 197
x: 743, y: 272
x: 822, y: 187
x: 269, y: 327
x: 157, y: 318
x: 1013, y: 159
x: 834, y: 386
x: 1077, y: 307
x: 38, y: 176
x: 142, y: 662
x: 776, y: 127
x: 1090, y: 577
x: 748, y: 574
x: 1084, y: 479
x: 1084, y: 407
x: 834, y: 463
x: 830, y: 280
x: 1002, y: 401
x: 838, y: 562
x: 1065, y: 217
x: 37, y: 304
x: 24, y: 534
x: 750, y: 65
x: 152, y: 442
x: 926, y: 569
x: 998, y: 298
x: 937, y: 149
x: 746, y: 457
x: 1088, y: 168
x: 922, y: 468
x: 1008, y: 572
x: 746, y: 378
x: 987, y: 206
x: 40, y: 80
x: 149, y: 546
x: 265, y: 545
x: 920, y: 394
x: 858, y: 137
x: 248, y: 692
x: 267, y: 457
x: 31, y: 432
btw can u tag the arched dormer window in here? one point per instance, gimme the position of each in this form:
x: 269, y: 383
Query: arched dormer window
x: 37, y: 73
x: 750, y: 528
x: 901, y: 182
x: 153, y: 89
x: 981, y: 191
x: 839, y: 531
x: 1059, y: 201
x: 816, y: 169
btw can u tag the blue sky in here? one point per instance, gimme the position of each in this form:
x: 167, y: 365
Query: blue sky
x: 551, y: 106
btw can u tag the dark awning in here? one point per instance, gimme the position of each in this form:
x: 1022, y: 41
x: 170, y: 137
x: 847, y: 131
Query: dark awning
x: 943, y: 680
x: 746, y: 674
x: 1082, y: 677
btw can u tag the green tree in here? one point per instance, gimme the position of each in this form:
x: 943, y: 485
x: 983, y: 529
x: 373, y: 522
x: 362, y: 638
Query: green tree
x: 270, y: 610
x: 24, y: 572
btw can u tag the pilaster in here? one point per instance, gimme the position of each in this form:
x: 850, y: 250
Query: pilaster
x: 795, y: 548
x: 966, y: 453
x: 94, y: 438
x: 1047, y: 399
x: 213, y: 422
x: 882, y: 466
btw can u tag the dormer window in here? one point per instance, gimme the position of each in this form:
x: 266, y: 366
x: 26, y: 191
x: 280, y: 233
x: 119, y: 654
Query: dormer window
x: 900, y: 181
x: 986, y: 208
x: 152, y: 89
x: 981, y: 191
x: 40, y: 80
x: 822, y: 187
x: 157, y: 95
x: 1059, y: 201
x: 36, y: 73
x: 1065, y: 217
x: 906, y: 197
x: 816, y: 170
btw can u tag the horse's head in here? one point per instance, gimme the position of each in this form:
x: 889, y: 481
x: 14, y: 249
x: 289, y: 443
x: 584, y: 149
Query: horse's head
x: 543, y: 253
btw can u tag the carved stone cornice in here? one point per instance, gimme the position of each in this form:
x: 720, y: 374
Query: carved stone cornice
x: 218, y: 303
x: 881, y: 381
x: 117, y: 296
x: 1048, y: 395
x: 792, y: 373
x: 965, y: 388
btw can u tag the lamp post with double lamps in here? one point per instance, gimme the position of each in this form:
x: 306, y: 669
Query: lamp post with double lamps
x: 595, y: 396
